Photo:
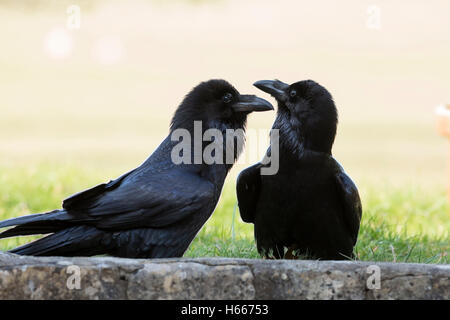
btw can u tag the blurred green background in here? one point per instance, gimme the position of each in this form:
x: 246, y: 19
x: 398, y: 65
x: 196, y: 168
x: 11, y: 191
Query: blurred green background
x: 81, y: 106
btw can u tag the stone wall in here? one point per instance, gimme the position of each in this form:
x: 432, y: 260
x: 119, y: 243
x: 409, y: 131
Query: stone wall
x: 217, y: 278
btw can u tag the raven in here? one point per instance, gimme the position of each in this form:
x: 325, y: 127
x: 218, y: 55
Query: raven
x: 310, y: 207
x: 155, y: 210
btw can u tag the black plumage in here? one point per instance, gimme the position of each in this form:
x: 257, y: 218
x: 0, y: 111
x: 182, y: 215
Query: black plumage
x: 155, y: 210
x: 310, y: 207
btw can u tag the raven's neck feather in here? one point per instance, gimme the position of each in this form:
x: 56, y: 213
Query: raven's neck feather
x: 291, y: 139
x: 295, y: 138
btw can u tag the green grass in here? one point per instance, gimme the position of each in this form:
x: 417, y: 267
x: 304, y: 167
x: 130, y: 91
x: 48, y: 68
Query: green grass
x: 400, y: 224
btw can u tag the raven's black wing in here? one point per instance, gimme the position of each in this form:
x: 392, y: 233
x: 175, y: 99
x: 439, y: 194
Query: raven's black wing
x: 248, y: 188
x: 351, y: 202
x: 82, y: 197
x: 146, y: 199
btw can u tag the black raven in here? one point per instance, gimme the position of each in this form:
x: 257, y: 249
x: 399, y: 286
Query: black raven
x: 310, y: 207
x: 155, y: 210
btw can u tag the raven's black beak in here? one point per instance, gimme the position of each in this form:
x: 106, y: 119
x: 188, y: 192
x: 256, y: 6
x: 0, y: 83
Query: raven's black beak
x: 249, y: 103
x: 275, y: 88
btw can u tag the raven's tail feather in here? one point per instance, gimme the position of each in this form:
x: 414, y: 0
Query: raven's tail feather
x: 74, y: 241
x: 27, y: 230
x: 40, y: 223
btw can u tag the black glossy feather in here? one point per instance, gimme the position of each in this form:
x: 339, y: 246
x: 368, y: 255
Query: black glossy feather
x: 352, y: 203
x: 248, y: 188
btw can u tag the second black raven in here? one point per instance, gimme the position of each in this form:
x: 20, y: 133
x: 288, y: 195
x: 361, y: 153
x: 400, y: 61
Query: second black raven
x: 310, y: 206
x: 155, y: 210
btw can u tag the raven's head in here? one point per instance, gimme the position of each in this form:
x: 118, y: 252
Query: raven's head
x: 217, y: 104
x: 215, y: 112
x: 307, y: 116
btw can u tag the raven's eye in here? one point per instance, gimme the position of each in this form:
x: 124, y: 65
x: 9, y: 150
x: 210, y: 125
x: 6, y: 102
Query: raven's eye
x: 227, y: 98
x: 293, y: 93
